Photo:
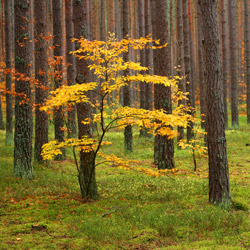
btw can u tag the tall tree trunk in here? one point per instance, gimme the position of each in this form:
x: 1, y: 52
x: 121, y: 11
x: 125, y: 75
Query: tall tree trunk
x: 57, y: 42
x: 247, y: 55
x: 128, y: 134
x: 71, y: 64
x: 148, y: 56
x: 180, y: 59
x: 140, y: 18
x: 224, y: 58
x: 187, y: 63
x: 103, y: 26
x: 8, y: 46
x: 41, y: 125
x: 162, y: 94
x: 219, y: 191
x: 192, y: 53
x: 23, y: 111
x: 1, y: 59
x: 86, y: 173
x: 117, y: 21
x: 233, y: 60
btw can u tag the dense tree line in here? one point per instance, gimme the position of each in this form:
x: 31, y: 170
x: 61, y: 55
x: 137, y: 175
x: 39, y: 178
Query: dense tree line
x: 208, y: 48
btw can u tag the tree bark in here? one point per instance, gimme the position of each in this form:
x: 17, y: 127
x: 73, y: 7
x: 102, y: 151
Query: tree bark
x: 128, y: 134
x: 233, y: 62
x: 187, y: 63
x: 71, y: 64
x: 57, y: 42
x: 41, y: 125
x: 247, y: 55
x: 224, y: 58
x: 219, y: 191
x: 180, y: 70
x: 165, y: 146
x: 148, y: 56
x: 8, y: 46
x: 23, y: 110
x: 86, y: 175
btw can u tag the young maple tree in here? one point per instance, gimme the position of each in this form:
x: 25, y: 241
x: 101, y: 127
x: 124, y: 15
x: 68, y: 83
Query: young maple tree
x: 107, y: 63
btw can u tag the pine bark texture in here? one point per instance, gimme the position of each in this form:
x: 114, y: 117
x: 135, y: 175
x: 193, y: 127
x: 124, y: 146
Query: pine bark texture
x: 57, y: 42
x: 224, y: 58
x: 86, y: 175
x: 141, y: 33
x: 23, y: 111
x: 148, y: 56
x: 187, y: 63
x: 128, y: 134
x: 165, y: 146
x: 70, y: 63
x: 201, y: 70
x: 8, y: 46
x: 247, y: 55
x: 180, y: 70
x: 219, y: 190
x: 41, y: 124
x: 233, y: 62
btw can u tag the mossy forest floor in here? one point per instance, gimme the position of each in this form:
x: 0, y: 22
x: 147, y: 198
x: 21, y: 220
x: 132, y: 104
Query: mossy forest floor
x: 134, y: 211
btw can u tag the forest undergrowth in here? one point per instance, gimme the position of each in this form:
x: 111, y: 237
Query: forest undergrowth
x: 134, y: 210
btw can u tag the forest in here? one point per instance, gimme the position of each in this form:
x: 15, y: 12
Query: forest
x: 124, y: 124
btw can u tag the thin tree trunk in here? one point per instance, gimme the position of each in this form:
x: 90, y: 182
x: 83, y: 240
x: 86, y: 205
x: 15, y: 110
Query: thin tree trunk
x: 219, y: 190
x: 148, y: 56
x: 117, y: 21
x: 41, y: 125
x: 180, y: 59
x: 8, y: 46
x: 187, y: 63
x: 1, y: 59
x: 247, y: 55
x: 201, y: 70
x: 140, y: 14
x: 23, y: 111
x: 57, y: 31
x: 128, y: 134
x: 71, y: 64
x: 233, y: 62
x: 224, y: 58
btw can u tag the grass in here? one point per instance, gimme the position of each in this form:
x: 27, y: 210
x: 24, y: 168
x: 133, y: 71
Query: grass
x: 134, y: 211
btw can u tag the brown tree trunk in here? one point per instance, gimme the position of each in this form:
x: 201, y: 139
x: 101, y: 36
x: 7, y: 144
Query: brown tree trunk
x: 187, y: 63
x: 8, y: 46
x: 41, y: 125
x: 233, y: 62
x: 128, y: 134
x: 23, y: 111
x: 103, y: 26
x: 201, y: 70
x: 1, y: 59
x: 71, y: 64
x: 148, y: 56
x: 86, y: 173
x: 140, y: 18
x: 247, y: 55
x: 180, y: 70
x: 57, y: 42
x: 224, y: 58
x: 219, y: 191
x: 117, y: 21
x: 165, y: 148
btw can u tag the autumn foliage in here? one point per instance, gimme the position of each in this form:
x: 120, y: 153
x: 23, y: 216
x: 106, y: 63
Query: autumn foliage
x: 107, y: 64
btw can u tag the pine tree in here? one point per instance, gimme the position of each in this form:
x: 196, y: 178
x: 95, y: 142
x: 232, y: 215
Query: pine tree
x: 23, y: 110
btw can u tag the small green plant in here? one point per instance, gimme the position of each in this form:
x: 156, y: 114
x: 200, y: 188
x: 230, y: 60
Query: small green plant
x: 196, y: 145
